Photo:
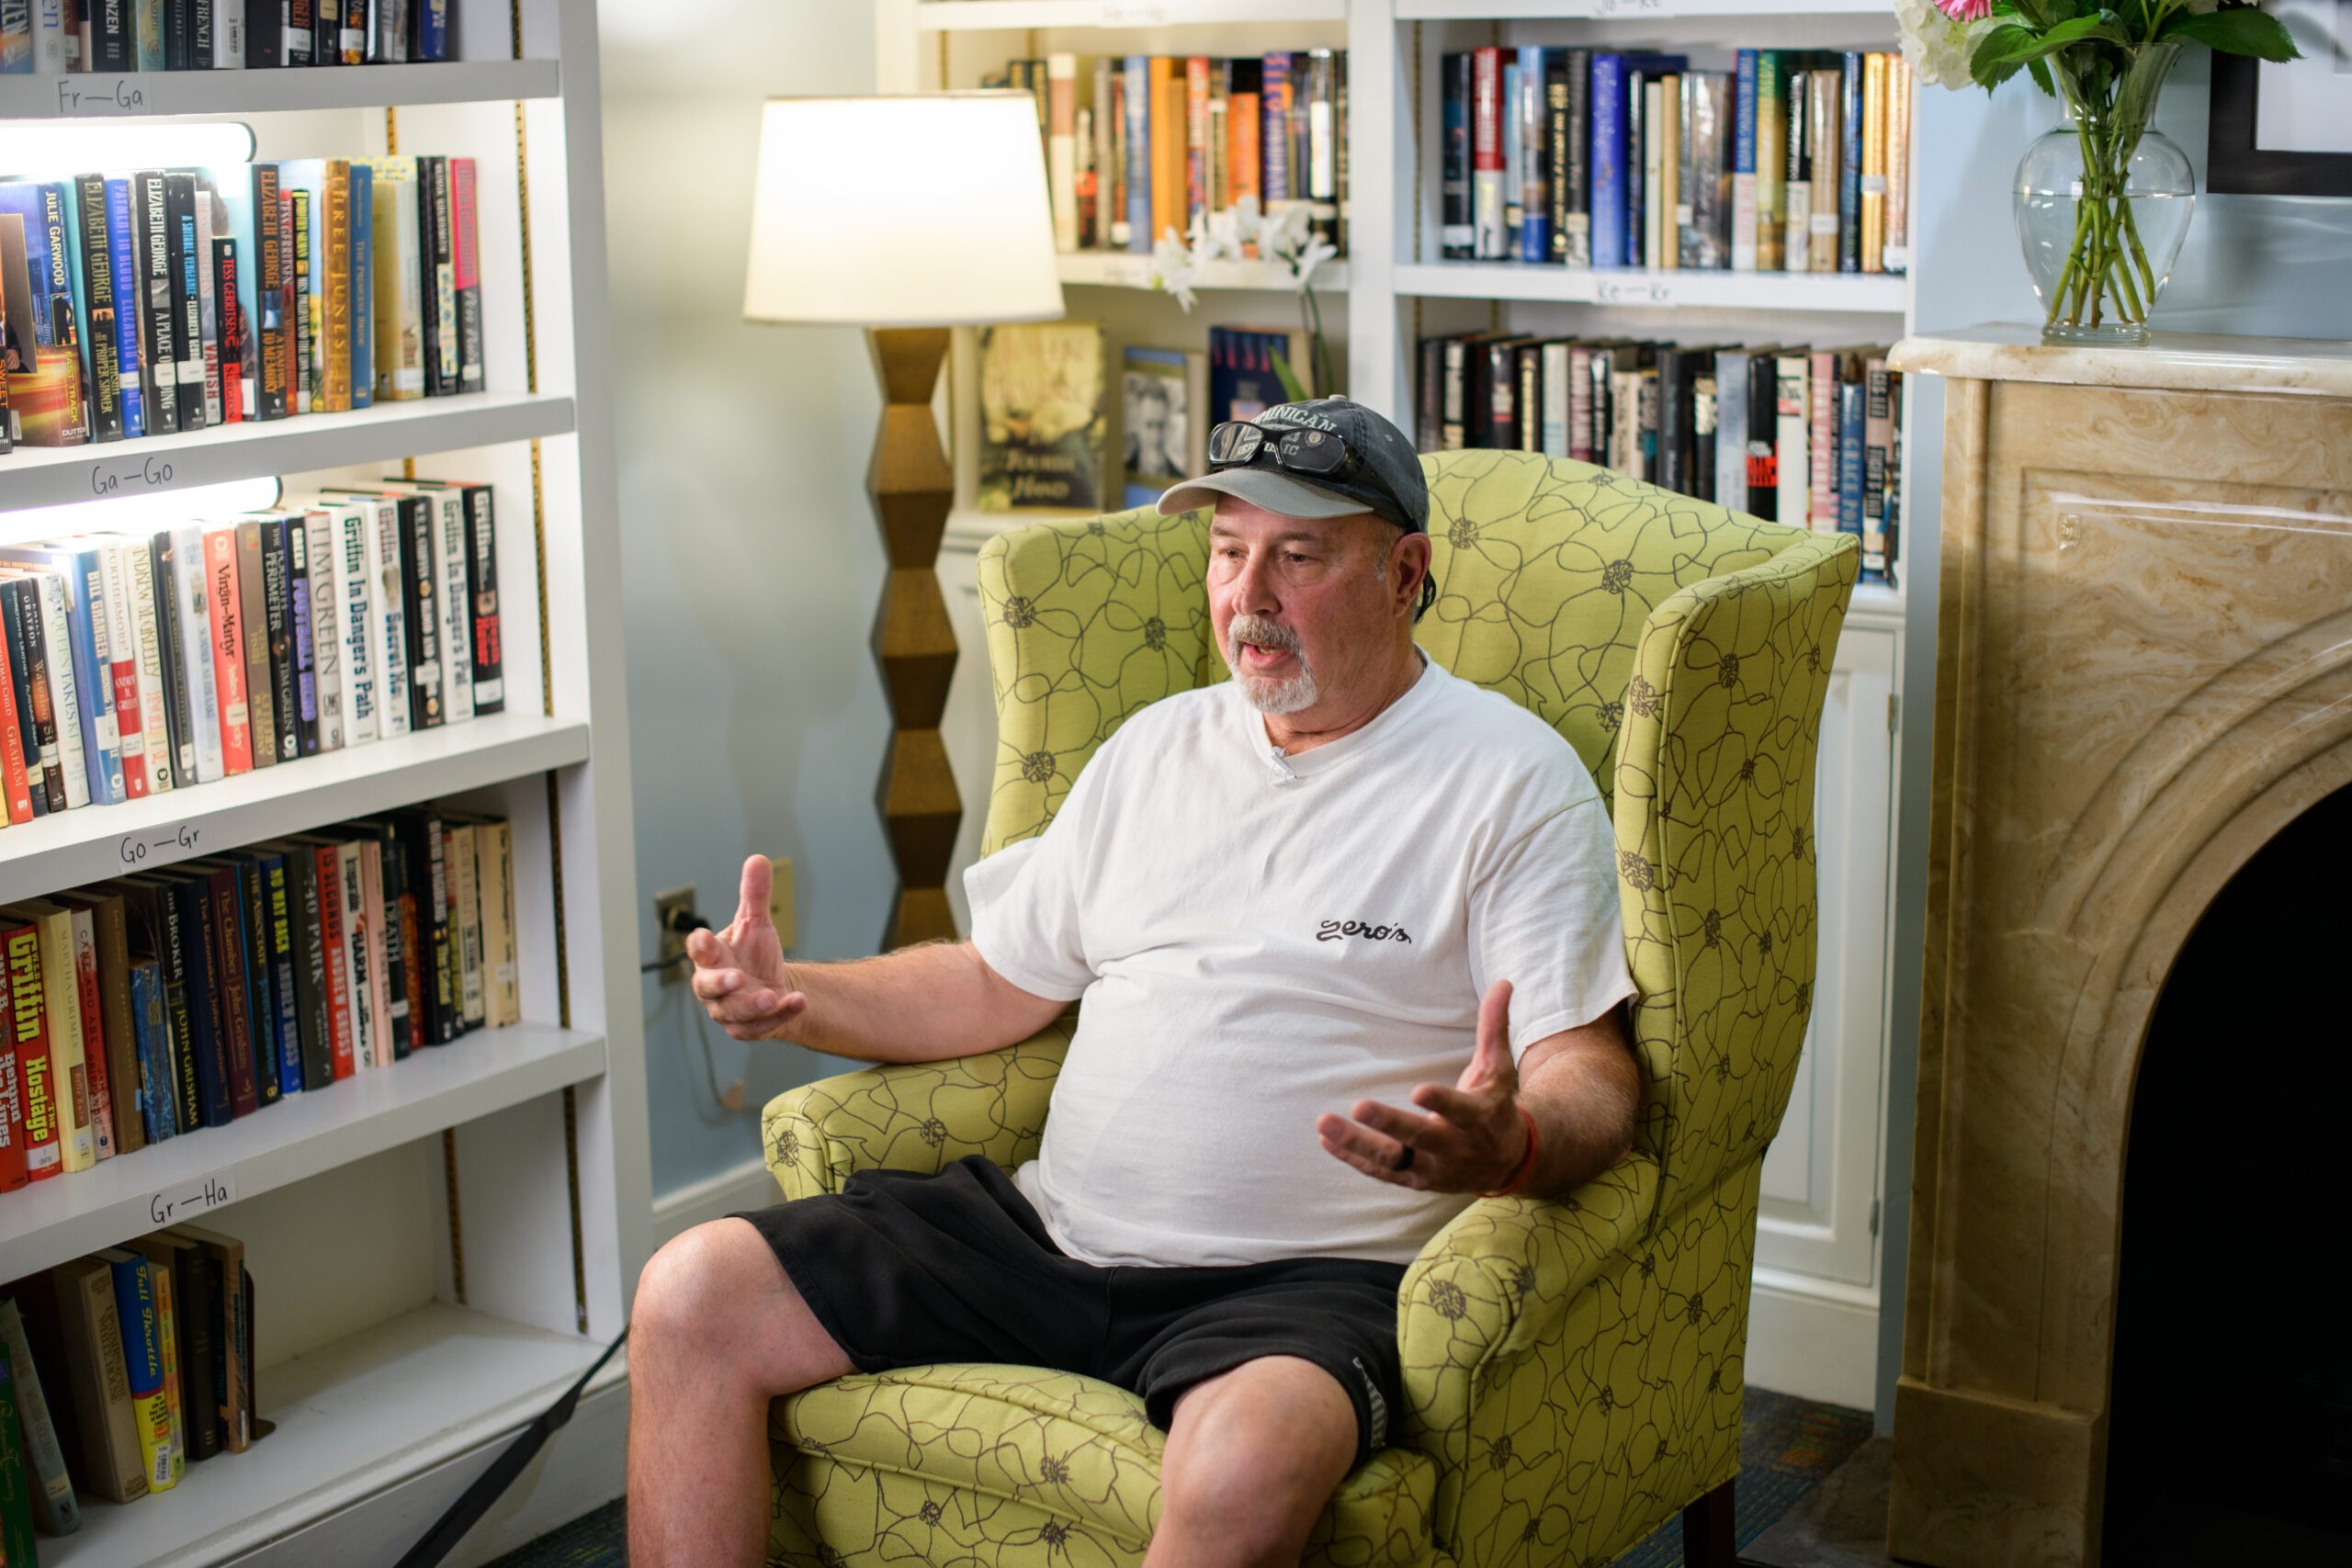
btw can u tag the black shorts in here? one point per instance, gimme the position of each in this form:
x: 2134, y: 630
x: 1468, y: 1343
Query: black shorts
x: 903, y: 1269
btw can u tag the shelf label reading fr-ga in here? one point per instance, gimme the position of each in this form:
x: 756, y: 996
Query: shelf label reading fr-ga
x: 135, y: 849
x: 173, y: 1206
x: 99, y: 94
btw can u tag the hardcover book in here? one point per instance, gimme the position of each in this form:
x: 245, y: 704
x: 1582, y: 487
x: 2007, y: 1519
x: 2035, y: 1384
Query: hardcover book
x: 1041, y: 417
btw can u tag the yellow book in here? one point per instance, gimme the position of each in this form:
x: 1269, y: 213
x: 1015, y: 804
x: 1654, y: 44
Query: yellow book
x: 1874, y: 163
x: 394, y: 258
x: 143, y: 1349
x: 159, y: 1280
x: 335, y: 296
x: 1674, y: 202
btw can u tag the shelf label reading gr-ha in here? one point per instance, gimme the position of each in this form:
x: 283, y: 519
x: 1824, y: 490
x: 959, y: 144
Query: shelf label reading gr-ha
x: 173, y: 1206
x: 99, y: 94
x: 134, y: 850
x: 146, y: 475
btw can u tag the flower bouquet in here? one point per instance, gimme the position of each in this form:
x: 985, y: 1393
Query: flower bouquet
x: 1286, y: 238
x: 2098, y: 260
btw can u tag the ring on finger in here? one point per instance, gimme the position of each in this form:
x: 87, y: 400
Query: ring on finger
x: 1404, y: 1158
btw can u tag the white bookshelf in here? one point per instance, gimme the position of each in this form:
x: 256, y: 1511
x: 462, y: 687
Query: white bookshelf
x: 1813, y: 1317
x: 439, y: 1246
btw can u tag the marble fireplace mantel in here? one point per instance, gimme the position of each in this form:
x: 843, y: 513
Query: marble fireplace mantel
x: 2143, y: 671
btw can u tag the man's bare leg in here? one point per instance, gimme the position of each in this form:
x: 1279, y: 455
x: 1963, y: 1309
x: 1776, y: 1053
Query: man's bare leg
x: 717, y: 1331
x: 1252, y: 1459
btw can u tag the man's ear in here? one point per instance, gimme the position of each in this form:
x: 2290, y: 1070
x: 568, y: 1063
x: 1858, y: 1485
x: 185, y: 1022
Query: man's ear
x: 1410, y: 555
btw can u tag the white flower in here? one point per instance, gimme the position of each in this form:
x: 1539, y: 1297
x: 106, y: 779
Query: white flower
x: 1303, y: 265
x: 1937, y: 47
x: 1218, y: 236
x: 1172, y: 267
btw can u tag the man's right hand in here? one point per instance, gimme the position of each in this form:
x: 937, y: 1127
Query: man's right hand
x: 740, y: 971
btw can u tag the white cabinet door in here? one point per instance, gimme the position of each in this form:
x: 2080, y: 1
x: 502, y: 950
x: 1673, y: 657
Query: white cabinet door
x: 968, y: 726
x: 1821, y: 1174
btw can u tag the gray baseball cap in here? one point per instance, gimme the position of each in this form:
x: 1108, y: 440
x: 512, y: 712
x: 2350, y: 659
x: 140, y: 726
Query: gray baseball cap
x: 1323, y: 457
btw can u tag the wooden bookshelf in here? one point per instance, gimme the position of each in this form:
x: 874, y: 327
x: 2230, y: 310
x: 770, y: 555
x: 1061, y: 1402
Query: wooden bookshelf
x: 438, y: 1245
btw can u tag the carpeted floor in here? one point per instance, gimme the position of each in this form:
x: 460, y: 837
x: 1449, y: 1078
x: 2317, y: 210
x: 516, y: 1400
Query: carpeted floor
x: 1789, y: 1445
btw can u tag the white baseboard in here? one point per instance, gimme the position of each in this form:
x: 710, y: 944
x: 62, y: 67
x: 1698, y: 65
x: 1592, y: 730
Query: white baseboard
x: 1813, y: 1339
x: 750, y: 1185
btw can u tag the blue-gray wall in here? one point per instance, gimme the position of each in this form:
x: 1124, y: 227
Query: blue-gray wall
x: 752, y: 565
x: 2271, y: 265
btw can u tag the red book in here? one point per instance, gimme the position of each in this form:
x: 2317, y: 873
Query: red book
x: 129, y: 715
x: 13, y: 777
x: 233, y: 333
x: 1196, y: 136
x: 329, y: 859
x: 12, y: 1100
x: 1487, y: 160
x: 228, y: 646
x: 229, y: 961
x: 29, y: 1035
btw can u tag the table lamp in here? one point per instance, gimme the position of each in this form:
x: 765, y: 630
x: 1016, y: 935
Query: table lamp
x: 906, y: 216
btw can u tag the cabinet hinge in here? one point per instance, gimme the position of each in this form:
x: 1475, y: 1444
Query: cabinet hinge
x: 1891, y: 700
x: 1874, y: 1216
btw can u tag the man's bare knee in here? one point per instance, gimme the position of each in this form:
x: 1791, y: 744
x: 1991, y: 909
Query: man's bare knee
x: 716, y: 1298
x: 1254, y: 1455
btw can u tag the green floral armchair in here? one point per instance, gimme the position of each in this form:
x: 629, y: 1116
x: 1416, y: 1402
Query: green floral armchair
x: 1573, y: 1368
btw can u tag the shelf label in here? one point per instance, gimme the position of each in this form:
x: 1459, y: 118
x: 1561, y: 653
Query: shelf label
x: 173, y: 1206
x: 1135, y: 13
x: 134, y: 849
x: 1632, y: 290
x: 1633, y: 7
x: 99, y: 94
x: 152, y: 473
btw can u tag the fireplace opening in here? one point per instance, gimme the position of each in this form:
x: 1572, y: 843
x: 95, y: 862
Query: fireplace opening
x: 2230, y: 1432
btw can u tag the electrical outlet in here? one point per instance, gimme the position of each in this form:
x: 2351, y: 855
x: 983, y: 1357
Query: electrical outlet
x: 676, y: 901
x: 780, y: 904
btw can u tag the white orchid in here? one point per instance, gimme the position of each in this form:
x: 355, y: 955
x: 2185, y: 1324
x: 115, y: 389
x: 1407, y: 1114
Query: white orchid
x: 1172, y: 265
x: 1286, y: 239
x: 1222, y: 236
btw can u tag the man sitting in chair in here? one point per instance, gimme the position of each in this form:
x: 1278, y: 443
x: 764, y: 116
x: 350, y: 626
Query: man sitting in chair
x: 1346, y: 931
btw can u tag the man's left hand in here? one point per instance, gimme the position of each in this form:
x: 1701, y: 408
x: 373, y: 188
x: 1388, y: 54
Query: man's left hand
x: 1469, y: 1138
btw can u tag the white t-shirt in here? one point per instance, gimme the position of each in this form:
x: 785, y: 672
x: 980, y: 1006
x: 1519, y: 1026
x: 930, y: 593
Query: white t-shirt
x: 1259, y: 938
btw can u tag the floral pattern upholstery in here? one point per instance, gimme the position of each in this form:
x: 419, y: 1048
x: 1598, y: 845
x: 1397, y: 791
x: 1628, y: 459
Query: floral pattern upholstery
x: 1572, y: 1368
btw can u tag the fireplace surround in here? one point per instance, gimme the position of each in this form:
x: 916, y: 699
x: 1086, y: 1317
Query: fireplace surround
x: 2144, y: 673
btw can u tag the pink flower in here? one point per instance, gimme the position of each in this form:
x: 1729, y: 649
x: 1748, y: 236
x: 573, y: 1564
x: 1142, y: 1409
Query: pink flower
x: 1965, y: 10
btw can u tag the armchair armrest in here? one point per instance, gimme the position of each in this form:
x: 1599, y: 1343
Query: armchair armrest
x: 1495, y: 1286
x: 914, y: 1116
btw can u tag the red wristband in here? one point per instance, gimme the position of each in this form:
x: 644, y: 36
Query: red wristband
x: 1519, y: 1178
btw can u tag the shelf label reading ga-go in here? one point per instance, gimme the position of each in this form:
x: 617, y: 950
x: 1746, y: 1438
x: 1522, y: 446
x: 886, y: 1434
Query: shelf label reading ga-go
x: 135, y: 849
x: 150, y: 474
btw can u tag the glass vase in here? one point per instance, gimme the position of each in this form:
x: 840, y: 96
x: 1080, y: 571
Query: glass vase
x: 2102, y: 205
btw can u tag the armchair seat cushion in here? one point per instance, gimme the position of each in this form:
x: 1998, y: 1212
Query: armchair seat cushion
x: 1076, y: 1453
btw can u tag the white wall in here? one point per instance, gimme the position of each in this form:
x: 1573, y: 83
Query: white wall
x: 752, y: 561
x: 2268, y: 266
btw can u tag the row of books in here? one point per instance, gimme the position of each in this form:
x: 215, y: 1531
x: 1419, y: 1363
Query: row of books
x: 50, y: 37
x: 1137, y: 146
x: 1797, y: 161
x: 1043, y: 432
x: 171, y: 300
x: 186, y: 997
x: 1788, y: 434
x: 130, y: 666
x: 116, y: 1370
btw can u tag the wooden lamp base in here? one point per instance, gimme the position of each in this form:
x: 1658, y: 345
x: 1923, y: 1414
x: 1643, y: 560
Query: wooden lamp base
x: 913, y: 489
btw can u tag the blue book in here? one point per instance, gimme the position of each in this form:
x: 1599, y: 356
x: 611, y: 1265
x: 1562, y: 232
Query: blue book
x: 143, y: 1348
x: 158, y: 1101
x: 1535, y: 216
x: 1849, y: 457
x: 44, y: 263
x: 277, y: 903
x: 85, y: 618
x: 193, y: 895
x: 1849, y: 168
x: 1273, y: 133
x: 129, y: 296
x: 1742, y: 164
x: 432, y: 30
x: 1137, y: 108
x: 1608, y: 160
x: 363, y: 310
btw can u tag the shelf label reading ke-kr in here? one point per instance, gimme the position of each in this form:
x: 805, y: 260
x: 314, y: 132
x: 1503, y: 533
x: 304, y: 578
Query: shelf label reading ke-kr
x: 175, y: 1204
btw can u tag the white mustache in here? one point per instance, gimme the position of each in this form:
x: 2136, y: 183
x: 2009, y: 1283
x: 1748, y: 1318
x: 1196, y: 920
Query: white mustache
x: 1259, y: 632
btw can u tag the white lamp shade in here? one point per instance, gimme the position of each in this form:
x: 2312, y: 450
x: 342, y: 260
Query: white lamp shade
x: 901, y: 212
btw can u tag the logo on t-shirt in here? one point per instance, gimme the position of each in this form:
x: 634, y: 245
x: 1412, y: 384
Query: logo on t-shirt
x: 1335, y: 930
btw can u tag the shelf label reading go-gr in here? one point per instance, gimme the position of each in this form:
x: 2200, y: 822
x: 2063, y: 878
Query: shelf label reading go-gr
x: 134, y: 850
x: 173, y: 1205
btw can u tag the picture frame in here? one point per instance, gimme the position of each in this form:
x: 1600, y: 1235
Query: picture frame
x: 2240, y: 159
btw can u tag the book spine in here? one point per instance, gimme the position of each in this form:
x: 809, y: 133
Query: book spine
x: 1792, y: 436
x: 20, y: 738
x: 1609, y: 242
x: 16, y: 1488
x: 60, y: 777
x: 13, y: 1173
x: 1852, y: 424
x: 465, y: 891
x: 1878, y: 448
x: 1487, y: 154
x: 300, y: 25
x: 269, y: 290
x: 1882, y: 528
x: 123, y: 275
x: 1771, y: 161
x: 1763, y: 428
x: 367, y: 1048
x: 147, y: 34
x: 1703, y: 432
x: 1744, y: 205
x: 1895, y: 254
x: 1827, y: 174
x: 1533, y: 109
x: 54, y: 1507
x: 340, y: 1001
x: 301, y: 631
x: 1872, y: 183
x: 186, y: 296
x: 1558, y: 131
x: 159, y: 322
x: 1457, y: 236
x: 441, y: 901
x: 1707, y: 187
x: 363, y: 285
x: 285, y: 993
x: 196, y: 1301
x: 133, y: 718
x: 1196, y: 133
x: 227, y: 948
x: 225, y: 622
x: 163, y: 598
x: 1136, y: 105
x: 185, y: 1018
x: 203, y: 262
x: 134, y: 1302
x: 1061, y: 147
x: 333, y: 286
x: 158, y: 1085
x: 1514, y: 214
x: 359, y: 569
x: 419, y: 590
x: 1105, y: 155
x: 236, y: 404
x: 16, y: 777
x: 1849, y: 165
x: 1821, y: 507
x: 321, y: 534
x: 250, y: 895
x: 65, y: 694
x: 159, y: 1281
x: 301, y: 288
x: 453, y: 600
x: 28, y: 1026
x: 253, y: 628
x: 277, y: 623
x: 98, y: 303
